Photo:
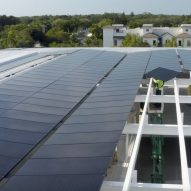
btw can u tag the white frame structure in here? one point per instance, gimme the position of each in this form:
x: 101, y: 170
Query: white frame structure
x: 132, y: 162
x: 176, y: 129
x: 183, y: 156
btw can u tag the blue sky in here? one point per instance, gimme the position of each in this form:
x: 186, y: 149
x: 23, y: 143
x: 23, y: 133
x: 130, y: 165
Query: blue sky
x: 61, y: 7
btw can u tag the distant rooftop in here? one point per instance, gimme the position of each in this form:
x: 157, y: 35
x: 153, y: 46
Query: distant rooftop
x: 118, y: 25
x: 147, y: 25
x: 185, y: 25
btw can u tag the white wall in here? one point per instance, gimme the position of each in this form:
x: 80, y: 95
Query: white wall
x: 184, y: 30
x: 108, y: 37
x: 147, y: 28
x: 184, y: 42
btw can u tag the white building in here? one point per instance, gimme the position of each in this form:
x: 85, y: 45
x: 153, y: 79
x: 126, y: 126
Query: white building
x: 154, y: 36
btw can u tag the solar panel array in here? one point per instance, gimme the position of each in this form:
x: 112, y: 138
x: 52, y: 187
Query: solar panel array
x: 18, y: 58
x: 185, y: 56
x: 77, y: 155
x: 34, y: 102
x: 20, y: 61
x: 164, y: 58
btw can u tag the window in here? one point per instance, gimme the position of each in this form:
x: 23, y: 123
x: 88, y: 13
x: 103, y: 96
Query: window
x: 117, y: 30
x: 154, y: 42
x: 179, y: 43
x: 147, y: 30
x: 115, y: 42
x: 188, y: 43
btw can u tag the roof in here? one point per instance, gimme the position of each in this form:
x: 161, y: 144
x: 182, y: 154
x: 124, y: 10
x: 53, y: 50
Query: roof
x: 163, y: 74
x: 59, y: 129
x: 150, y: 35
x: 147, y: 25
x: 166, y: 34
x: 185, y: 25
x: 184, y: 35
x: 117, y: 25
x: 114, y: 26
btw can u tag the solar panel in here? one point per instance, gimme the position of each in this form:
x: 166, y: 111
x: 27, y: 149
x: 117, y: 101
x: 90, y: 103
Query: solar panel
x: 76, y: 150
x: 95, y: 126
x: 20, y: 61
x: 90, y: 127
x: 56, y: 182
x: 27, y: 115
x: 164, y: 58
x: 64, y: 166
x: 18, y: 58
x: 16, y: 136
x: 185, y: 58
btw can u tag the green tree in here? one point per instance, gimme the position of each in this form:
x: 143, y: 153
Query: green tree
x: 93, y: 42
x: 97, y: 29
x: 16, y: 36
x: 57, y: 35
x: 171, y: 43
x: 132, y: 40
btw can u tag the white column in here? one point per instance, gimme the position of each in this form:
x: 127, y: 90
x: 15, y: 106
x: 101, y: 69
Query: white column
x: 133, y: 159
x: 183, y: 156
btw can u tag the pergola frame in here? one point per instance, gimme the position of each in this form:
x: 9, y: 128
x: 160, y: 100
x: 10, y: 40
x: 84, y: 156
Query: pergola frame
x: 127, y: 185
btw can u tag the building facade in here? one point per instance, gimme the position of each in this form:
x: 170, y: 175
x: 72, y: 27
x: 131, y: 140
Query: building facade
x: 154, y: 36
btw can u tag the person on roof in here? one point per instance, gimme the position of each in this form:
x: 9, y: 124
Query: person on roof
x: 158, y: 84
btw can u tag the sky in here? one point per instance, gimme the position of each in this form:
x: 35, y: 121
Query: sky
x: 71, y: 7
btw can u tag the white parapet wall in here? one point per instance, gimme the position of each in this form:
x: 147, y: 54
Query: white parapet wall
x: 117, y: 186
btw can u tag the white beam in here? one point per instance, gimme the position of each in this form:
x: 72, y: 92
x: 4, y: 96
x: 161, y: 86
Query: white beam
x: 132, y: 162
x: 183, y: 157
x: 156, y: 129
x: 163, y: 99
x: 118, y: 186
x: 156, y: 187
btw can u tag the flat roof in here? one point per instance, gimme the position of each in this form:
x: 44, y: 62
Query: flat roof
x: 70, y: 112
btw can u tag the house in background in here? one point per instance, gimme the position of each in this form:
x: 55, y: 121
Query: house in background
x: 155, y: 36
x: 114, y: 35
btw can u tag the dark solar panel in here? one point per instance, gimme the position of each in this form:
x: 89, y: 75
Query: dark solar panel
x: 13, y: 149
x: 75, y: 150
x: 90, y: 182
x: 67, y: 166
x: 20, y: 136
x: 18, y: 58
x: 162, y: 74
x: 20, y: 61
x: 85, y: 144
x: 164, y: 58
x: 29, y: 112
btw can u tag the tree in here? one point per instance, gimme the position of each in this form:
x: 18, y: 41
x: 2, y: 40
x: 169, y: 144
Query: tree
x: 132, y: 40
x: 70, y: 30
x: 57, y: 35
x: 93, y: 42
x: 16, y: 36
x: 171, y: 43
